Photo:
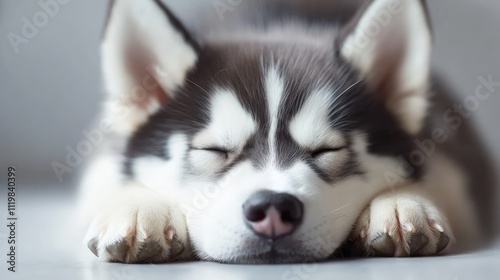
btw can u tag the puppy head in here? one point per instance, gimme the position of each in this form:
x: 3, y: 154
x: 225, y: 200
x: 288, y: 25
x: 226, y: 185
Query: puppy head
x: 273, y: 141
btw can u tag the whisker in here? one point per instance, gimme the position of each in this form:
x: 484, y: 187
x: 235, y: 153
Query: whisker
x: 198, y: 86
x: 340, y: 208
x: 348, y: 89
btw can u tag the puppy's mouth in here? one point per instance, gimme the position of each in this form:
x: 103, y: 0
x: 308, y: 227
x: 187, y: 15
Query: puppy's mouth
x: 274, y: 257
x: 282, y: 251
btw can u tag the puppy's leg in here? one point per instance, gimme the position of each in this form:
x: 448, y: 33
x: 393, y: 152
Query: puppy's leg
x: 402, y: 223
x: 433, y: 216
x: 138, y: 225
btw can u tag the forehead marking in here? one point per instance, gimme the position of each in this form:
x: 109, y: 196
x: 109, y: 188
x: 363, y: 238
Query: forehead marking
x: 274, y: 92
x: 230, y: 124
x: 311, y: 126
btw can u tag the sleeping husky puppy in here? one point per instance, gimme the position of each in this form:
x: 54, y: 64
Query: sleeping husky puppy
x: 280, y: 140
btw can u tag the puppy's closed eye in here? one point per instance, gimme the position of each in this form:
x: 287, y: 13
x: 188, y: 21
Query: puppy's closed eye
x: 217, y: 151
x: 325, y: 150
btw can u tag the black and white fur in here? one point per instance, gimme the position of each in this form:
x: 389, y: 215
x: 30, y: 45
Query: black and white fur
x: 327, y: 111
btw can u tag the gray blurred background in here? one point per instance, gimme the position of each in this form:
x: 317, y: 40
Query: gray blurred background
x: 50, y: 90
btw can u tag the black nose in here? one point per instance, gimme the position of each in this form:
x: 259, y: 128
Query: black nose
x: 273, y: 214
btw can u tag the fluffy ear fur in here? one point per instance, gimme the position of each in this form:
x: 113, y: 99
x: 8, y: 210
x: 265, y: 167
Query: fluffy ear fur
x: 389, y: 42
x: 147, y: 54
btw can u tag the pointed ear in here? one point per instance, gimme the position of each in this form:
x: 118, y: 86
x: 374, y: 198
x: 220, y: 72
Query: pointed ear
x: 389, y: 42
x: 146, y: 54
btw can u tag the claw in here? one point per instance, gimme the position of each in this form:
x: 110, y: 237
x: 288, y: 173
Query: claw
x: 363, y: 234
x: 409, y: 227
x: 170, y: 234
x: 387, y: 228
x: 439, y: 228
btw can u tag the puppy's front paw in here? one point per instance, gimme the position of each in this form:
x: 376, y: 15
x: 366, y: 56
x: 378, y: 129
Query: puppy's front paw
x: 401, y: 225
x: 138, y: 227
